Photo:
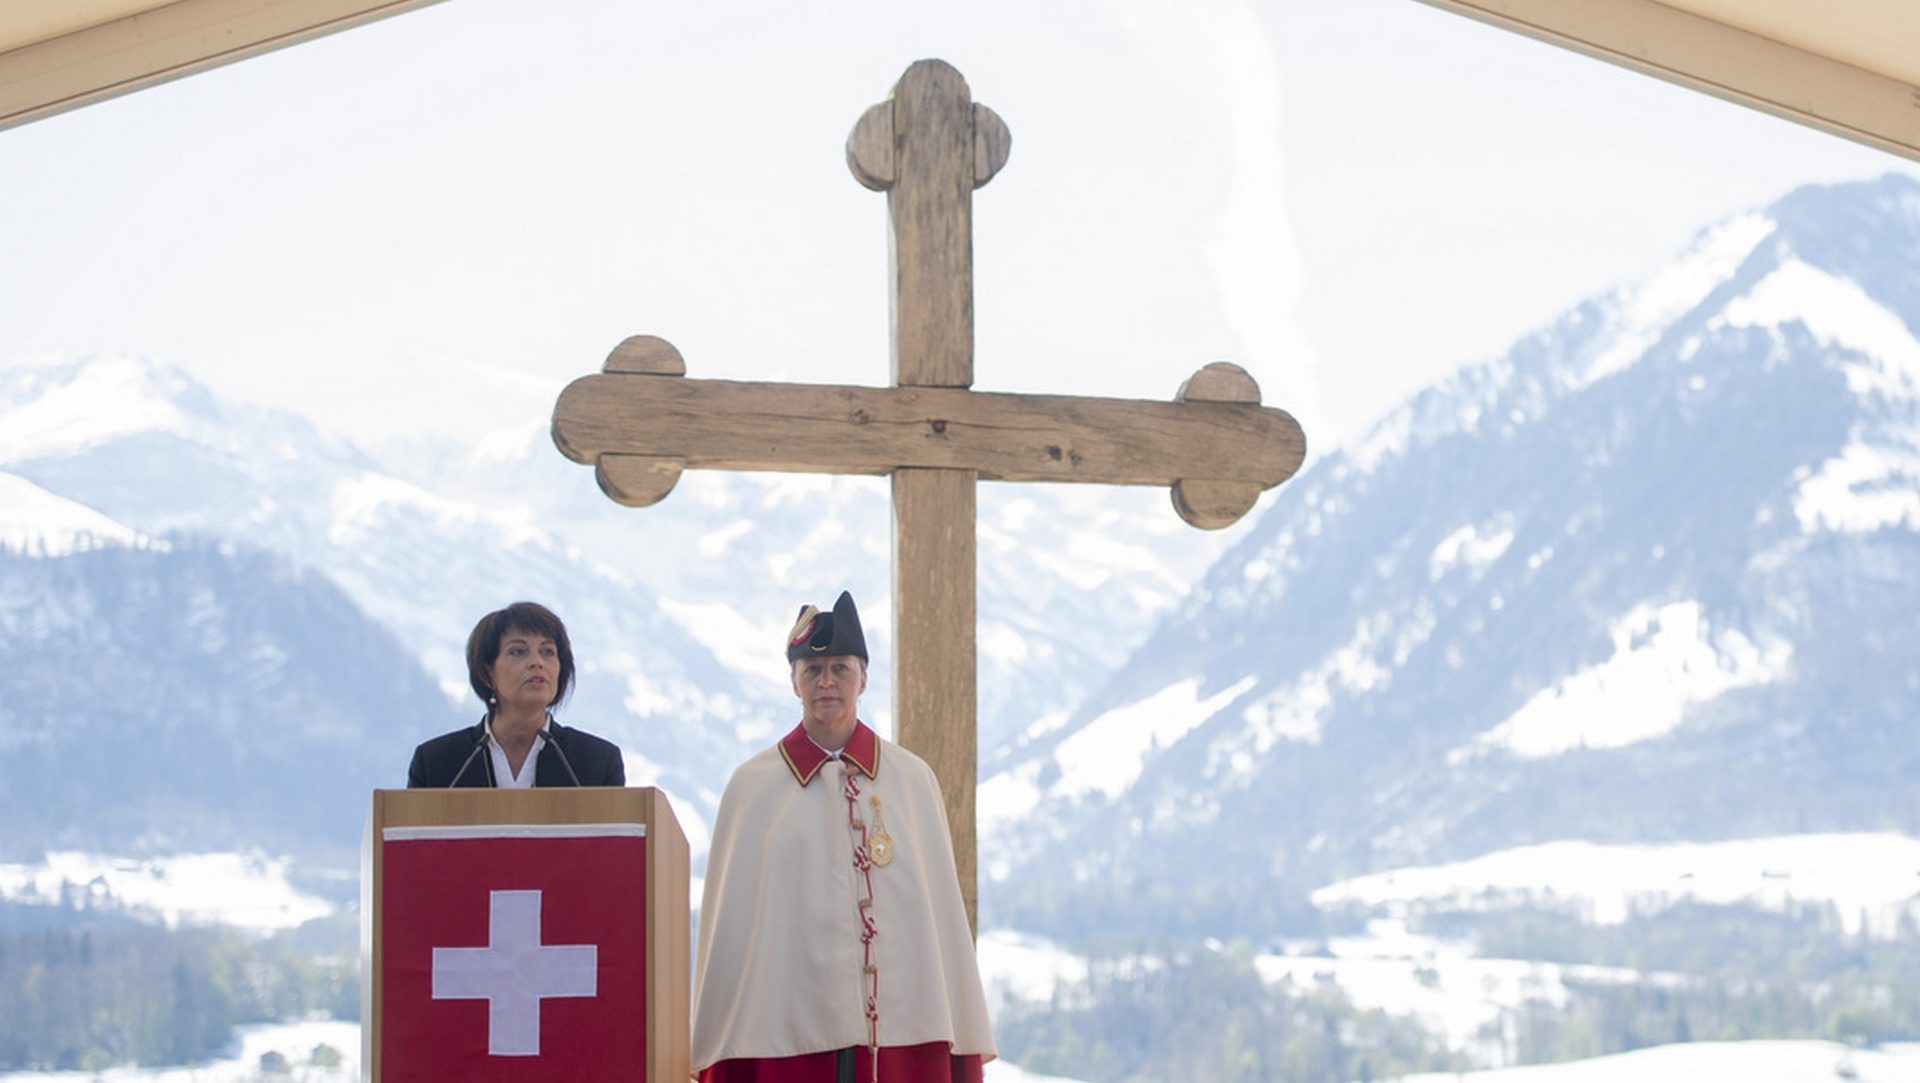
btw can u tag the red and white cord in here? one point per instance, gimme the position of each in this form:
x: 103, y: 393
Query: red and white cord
x: 863, y: 864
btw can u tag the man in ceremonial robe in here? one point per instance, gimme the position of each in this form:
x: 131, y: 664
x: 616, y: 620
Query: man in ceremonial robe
x: 833, y: 942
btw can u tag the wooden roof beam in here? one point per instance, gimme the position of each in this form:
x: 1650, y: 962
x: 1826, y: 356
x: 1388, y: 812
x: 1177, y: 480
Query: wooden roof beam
x: 165, y: 42
x: 1724, y: 60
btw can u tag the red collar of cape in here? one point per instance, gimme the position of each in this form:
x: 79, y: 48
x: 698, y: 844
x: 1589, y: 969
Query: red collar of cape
x: 804, y: 758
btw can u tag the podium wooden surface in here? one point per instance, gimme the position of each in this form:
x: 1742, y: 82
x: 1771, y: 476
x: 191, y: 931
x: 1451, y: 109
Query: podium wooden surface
x: 668, y: 916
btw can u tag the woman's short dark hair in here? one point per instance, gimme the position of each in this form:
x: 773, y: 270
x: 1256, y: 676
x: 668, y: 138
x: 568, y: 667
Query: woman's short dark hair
x: 483, y: 646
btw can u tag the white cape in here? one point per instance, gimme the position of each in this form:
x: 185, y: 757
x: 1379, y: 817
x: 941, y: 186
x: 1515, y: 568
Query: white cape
x: 778, y: 968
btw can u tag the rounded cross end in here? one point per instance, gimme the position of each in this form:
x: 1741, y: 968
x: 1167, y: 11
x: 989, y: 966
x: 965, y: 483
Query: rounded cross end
x: 1214, y: 505
x: 870, y: 152
x: 991, y: 144
x: 1222, y: 381
x: 646, y: 354
x: 637, y: 481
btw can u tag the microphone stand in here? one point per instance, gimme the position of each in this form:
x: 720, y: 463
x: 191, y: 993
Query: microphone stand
x: 468, y: 762
x: 554, y: 743
x: 546, y: 732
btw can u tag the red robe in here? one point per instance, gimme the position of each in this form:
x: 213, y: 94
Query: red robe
x: 929, y: 1063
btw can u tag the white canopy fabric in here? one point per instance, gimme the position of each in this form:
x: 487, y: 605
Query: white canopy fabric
x: 1851, y: 67
x: 57, y: 55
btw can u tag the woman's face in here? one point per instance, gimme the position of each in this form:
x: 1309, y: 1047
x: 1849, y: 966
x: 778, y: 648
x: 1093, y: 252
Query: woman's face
x: 829, y: 691
x: 526, y: 673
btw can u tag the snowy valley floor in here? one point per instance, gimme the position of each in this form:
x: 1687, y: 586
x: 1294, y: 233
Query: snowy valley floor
x: 1871, y: 880
x: 1700, y: 1062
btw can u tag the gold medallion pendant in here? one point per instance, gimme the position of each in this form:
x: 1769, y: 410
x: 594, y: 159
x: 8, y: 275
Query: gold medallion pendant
x: 880, y: 847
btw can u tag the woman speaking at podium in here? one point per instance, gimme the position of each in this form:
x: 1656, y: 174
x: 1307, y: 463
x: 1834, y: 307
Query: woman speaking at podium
x: 520, y: 664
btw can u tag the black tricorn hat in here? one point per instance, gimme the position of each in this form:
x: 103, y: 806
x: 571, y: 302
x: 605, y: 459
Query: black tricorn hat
x: 816, y: 634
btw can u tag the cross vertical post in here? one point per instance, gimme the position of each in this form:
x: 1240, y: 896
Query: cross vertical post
x: 928, y: 147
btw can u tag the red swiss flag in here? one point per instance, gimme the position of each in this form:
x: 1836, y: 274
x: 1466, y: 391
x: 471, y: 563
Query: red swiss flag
x: 513, y: 953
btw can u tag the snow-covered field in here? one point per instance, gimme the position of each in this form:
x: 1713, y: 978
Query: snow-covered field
x: 1389, y: 968
x: 1017, y: 967
x: 1714, y: 1062
x: 1700, y: 1062
x: 1870, y: 877
x: 297, y: 1042
x: 247, y: 891
x: 1446, y: 988
x: 1001, y: 1072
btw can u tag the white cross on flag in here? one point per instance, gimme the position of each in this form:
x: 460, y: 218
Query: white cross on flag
x: 513, y: 973
x: 513, y: 952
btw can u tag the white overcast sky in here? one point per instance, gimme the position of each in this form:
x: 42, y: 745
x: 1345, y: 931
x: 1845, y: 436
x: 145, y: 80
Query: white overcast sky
x: 436, y: 220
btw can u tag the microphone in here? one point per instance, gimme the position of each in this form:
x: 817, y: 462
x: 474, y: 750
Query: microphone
x: 554, y: 743
x: 468, y: 762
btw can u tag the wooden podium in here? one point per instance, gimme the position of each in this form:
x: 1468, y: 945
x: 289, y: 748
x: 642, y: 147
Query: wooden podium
x: 524, y: 934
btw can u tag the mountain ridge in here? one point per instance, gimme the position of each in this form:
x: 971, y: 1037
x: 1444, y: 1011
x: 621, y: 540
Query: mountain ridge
x: 1619, y: 506
x: 195, y: 696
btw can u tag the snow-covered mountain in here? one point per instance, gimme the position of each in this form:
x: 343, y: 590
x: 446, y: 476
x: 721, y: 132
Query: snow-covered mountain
x: 1624, y: 619
x: 677, y: 612
x: 1652, y: 576
x: 1644, y: 579
x: 156, y: 700
x: 148, y: 448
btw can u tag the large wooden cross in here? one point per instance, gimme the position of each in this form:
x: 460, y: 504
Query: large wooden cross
x: 641, y: 422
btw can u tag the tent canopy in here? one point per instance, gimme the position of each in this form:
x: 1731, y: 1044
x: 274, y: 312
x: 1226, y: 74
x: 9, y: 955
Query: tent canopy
x: 1851, y: 67
x: 57, y: 55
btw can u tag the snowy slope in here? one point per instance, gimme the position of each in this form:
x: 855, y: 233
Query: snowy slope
x: 1555, y: 597
x: 296, y: 1042
x: 192, y: 697
x: 1871, y: 881
x: 36, y: 522
x: 1748, y: 1062
x: 169, y: 458
x: 244, y: 891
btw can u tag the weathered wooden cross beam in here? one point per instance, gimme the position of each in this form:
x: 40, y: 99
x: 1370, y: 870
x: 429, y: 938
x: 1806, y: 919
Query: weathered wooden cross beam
x: 641, y: 423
